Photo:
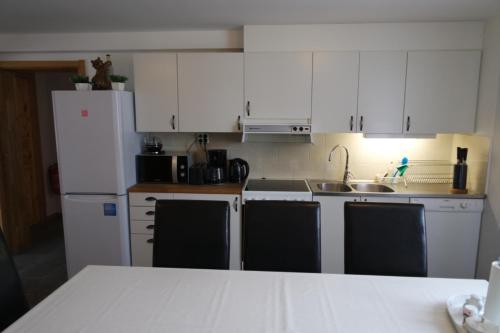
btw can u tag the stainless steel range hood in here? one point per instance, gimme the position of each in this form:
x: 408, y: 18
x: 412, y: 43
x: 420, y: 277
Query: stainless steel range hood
x: 278, y: 130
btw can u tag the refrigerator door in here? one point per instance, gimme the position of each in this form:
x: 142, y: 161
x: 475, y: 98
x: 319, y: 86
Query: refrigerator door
x: 96, y: 231
x: 89, y: 141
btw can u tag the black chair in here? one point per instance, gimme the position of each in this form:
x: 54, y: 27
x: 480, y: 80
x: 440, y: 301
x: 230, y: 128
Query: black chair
x: 282, y: 236
x: 12, y: 301
x: 191, y: 234
x: 385, y: 239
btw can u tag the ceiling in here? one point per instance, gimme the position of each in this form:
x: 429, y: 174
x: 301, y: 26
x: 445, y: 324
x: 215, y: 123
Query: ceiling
x: 142, y: 15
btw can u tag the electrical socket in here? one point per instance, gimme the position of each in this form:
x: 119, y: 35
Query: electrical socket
x: 202, y: 138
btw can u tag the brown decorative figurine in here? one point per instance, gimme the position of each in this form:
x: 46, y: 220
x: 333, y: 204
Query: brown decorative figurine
x: 101, y: 79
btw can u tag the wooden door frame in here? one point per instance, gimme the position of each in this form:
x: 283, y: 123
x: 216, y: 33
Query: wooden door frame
x: 75, y: 66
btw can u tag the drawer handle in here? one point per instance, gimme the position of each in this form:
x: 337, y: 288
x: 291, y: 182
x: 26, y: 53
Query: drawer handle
x: 150, y: 241
x: 150, y: 212
x: 150, y: 199
x: 151, y: 226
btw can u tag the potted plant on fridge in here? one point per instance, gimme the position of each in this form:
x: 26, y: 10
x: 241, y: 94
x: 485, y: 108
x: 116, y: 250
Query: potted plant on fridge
x: 81, y: 82
x: 118, y: 82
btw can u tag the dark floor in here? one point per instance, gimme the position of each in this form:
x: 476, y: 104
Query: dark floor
x: 42, y: 268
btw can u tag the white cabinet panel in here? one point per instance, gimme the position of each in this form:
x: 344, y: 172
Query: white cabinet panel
x: 386, y: 199
x: 335, y: 91
x: 142, y: 213
x: 142, y: 227
x: 147, y: 199
x: 235, y: 221
x: 155, y: 81
x: 278, y: 85
x: 381, y: 92
x: 441, y: 91
x: 142, y: 250
x: 210, y: 91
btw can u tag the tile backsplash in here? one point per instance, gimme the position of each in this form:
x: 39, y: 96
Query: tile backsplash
x: 368, y: 156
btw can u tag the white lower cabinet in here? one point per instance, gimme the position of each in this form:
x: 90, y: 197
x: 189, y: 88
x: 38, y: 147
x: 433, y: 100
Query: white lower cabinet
x: 142, y: 220
x: 332, y: 228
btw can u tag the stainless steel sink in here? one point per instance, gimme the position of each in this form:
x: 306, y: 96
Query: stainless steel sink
x: 334, y: 187
x: 369, y: 187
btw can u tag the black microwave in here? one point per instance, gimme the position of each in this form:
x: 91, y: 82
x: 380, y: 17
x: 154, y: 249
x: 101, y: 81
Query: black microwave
x: 166, y: 168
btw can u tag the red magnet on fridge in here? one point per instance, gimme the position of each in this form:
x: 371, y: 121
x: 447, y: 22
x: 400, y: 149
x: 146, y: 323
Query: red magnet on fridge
x: 84, y: 113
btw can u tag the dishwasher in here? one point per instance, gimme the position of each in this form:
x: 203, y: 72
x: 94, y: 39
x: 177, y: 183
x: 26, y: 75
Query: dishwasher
x: 452, y: 227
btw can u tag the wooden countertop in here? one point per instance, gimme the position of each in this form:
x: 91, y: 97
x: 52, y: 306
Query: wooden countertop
x: 228, y: 188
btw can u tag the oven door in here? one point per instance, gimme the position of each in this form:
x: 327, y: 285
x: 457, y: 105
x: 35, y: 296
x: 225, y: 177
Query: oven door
x: 151, y: 168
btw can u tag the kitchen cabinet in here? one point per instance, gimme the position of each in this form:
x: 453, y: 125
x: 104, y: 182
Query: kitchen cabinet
x: 155, y: 81
x: 441, y: 91
x: 278, y: 85
x: 335, y: 91
x: 382, y: 76
x: 142, y: 206
x: 210, y: 91
x: 452, y: 227
x: 332, y: 228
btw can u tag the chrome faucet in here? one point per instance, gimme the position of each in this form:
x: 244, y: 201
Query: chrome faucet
x: 346, y: 171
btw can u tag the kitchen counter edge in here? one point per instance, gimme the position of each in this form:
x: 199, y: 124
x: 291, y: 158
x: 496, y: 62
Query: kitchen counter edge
x: 229, y: 188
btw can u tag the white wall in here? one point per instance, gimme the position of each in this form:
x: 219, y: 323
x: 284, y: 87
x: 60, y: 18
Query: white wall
x: 45, y: 83
x: 488, y: 123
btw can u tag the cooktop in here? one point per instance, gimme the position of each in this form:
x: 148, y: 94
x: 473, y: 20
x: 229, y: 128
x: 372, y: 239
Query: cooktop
x: 276, y: 185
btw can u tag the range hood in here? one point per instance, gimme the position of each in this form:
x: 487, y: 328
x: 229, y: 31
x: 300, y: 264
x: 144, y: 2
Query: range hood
x: 276, y: 130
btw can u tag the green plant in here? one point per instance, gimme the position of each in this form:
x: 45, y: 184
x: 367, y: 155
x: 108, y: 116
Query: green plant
x: 79, y: 79
x: 118, y: 78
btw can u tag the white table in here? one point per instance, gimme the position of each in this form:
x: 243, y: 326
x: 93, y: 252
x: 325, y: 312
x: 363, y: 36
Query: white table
x: 136, y: 299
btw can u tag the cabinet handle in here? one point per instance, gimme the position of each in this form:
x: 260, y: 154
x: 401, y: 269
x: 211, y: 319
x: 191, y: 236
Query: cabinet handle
x: 235, y: 204
x: 351, y: 123
x: 361, y: 123
x: 172, y: 122
x: 150, y: 212
x: 365, y: 200
x: 408, y: 123
x: 150, y: 241
x: 151, y: 226
x: 248, y: 108
x: 150, y: 199
x: 239, y: 125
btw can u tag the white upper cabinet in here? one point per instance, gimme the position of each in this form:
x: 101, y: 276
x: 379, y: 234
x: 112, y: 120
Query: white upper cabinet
x: 155, y: 80
x: 278, y: 85
x: 210, y: 91
x: 441, y: 91
x: 335, y: 91
x: 381, y: 92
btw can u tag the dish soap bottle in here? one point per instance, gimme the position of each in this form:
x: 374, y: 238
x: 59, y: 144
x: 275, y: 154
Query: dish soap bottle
x: 460, y: 170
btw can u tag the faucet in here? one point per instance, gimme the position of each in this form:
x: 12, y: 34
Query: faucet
x: 346, y: 171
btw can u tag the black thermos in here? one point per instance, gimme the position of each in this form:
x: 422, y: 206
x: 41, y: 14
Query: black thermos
x: 460, y: 170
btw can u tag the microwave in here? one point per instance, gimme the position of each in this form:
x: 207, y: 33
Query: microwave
x: 165, y: 168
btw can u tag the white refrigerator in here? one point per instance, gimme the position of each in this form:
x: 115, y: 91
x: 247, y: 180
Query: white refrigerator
x: 96, y: 148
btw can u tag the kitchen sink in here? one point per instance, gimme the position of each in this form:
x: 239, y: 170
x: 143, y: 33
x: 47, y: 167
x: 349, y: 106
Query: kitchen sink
x: 334, y: 187
x: 369, y: 187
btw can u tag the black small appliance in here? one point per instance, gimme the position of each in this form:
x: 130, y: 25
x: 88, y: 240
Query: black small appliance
x: 460, y: 170
x: 238, y: 170
x: 217, y: 159
x: 197, y: 174
x: 166, y: 168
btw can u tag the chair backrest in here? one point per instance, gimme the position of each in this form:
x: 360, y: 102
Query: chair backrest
x: 282, y: 236
x: 385, y: 239
x: 12, y: 301
x: 191, y: 234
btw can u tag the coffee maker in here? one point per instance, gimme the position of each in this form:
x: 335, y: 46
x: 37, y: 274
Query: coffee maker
x: 217, y: 166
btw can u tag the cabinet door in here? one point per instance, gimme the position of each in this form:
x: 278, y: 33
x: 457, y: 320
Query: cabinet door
x: 335, y: 91
x: 155, y: 81
x: 441, y: 91
x: 332, y: 232
x: 235, y: 221
x: 210, y: 92
x: 142, y: 250
x: 381, y: 92
x: 278, y: 85
x: 386, y: 199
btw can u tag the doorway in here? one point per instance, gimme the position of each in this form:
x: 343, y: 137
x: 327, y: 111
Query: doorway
x: 30, y: 207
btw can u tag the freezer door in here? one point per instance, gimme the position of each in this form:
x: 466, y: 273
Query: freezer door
x: 89, y: 141
x: 96, y: 231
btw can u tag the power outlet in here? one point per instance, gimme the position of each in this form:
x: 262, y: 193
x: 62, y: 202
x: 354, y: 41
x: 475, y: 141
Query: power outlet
x: 202, y: 138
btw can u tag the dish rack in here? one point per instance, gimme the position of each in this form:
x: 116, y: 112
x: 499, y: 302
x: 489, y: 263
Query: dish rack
x: 424, y: 172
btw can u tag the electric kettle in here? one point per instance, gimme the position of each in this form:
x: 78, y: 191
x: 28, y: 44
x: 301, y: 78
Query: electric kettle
x: 238, y: 170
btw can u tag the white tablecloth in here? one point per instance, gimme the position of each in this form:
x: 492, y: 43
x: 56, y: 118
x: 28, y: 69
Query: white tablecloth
x: 134, y: 299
